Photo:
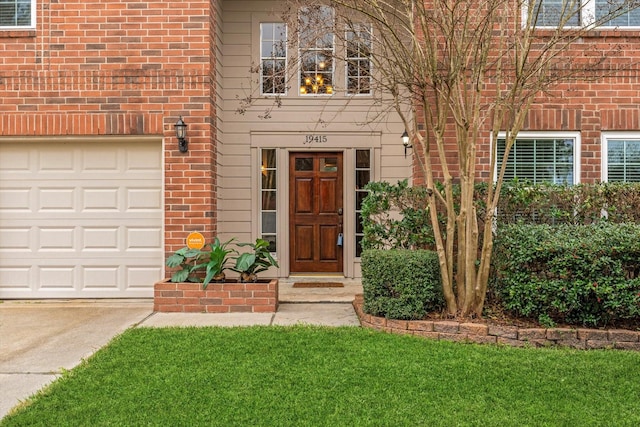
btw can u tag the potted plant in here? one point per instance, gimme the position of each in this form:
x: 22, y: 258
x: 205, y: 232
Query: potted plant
x: 194, y: 261
x: 249, y: 264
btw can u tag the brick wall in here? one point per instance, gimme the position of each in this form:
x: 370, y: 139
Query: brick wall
x: 605, y: 99
x: 230, y: 297
x: 121, y: 67
x: 480, y: 333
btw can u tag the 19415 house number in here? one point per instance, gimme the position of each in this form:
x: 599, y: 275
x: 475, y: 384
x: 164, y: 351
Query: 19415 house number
x: 311, y: 138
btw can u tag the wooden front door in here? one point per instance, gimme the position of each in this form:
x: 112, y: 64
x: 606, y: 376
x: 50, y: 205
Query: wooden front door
x: 315, y: 212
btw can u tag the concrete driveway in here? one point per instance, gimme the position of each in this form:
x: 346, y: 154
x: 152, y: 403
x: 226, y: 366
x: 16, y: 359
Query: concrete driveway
x: 40, y: 339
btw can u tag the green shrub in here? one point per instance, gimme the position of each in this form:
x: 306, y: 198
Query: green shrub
x: 588, y: 274
x: 401, y: 284
x: 396, y: 217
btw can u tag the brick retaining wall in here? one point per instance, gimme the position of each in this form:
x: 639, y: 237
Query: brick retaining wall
x: 580, y: 338
x: 230, y: 297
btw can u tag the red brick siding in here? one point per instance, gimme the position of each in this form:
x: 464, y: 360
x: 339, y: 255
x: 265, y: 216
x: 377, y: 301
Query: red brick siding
x: 261, y: 297
x: 122, y: 67
x: 588, y: 106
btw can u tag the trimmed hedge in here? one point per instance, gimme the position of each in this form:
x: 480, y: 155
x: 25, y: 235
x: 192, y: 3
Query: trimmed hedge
x: 401, y: 284
x: 587, y: 274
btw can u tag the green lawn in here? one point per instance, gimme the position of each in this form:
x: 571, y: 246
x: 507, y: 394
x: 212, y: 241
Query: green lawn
x: 308, y: 376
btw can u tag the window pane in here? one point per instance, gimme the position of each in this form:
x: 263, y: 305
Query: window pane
x: 623, y: 160
x: 617, y: 8
x: 268, y: 222
x: 358, y: 44
x: 272, y: 242
x: 328, y: 164
x: 362, y: 178
x: 269, y: 179
x: 551, y: 13
x: 316, y: 44
x: 273, y: 47
x: 15, y: 13
x: 268, y: 200
x: 304, y: 164
x: 269, y: 193
x: 538, y: 160
x: 363, y: 159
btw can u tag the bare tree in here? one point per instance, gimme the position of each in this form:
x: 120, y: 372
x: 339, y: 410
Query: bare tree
x: 459, y: 73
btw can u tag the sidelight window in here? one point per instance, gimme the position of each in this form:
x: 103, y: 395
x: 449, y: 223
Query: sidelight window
x: 268, y: 198
x: 363, y: 176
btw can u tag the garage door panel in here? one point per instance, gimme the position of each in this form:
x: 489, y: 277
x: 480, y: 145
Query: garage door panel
x: 80, y: 220
x: 15, y: 199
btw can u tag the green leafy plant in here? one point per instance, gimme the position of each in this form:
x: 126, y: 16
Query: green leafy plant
x: 249, y: 264
x: 204, y: 266
x: 219, y: 256
x: 188, y: 261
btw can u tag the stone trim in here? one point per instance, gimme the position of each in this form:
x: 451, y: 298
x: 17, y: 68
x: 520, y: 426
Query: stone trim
x: 448, y: 330
x: 229, y: 297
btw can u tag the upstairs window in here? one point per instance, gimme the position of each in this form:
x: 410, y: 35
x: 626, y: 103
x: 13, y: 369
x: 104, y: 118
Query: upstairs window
x: 358, y: 46
x: 17, y: 14
x: 541, y: 159
x: 551, y: 13
x: 316, y: 51
x: 573, y: 13
x: 273, y: 58
x: 624, y: 18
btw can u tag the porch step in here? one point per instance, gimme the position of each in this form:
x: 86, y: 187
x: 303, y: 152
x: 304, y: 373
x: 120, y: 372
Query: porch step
x: 289, y: 294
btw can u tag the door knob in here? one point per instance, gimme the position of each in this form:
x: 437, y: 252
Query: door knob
x: 339, y: 211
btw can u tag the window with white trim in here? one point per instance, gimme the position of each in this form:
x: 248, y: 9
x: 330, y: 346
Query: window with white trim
x: 621, y: 158
x: 625, y: 17
x: 358, y: 59
x: 316, y: 51
x: 268, y: 198
x: 363, y: 176
x: 541, y: 158
x: 550, y: 13
x: 572, y: 13
x: 17, y: 14
x: 273, y: 58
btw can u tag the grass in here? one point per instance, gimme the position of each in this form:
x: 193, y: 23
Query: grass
x: 311, y: 376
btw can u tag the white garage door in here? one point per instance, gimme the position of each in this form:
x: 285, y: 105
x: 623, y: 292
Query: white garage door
x: 80, y: 219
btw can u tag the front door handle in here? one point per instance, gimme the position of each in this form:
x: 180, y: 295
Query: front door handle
x: 339, y: 211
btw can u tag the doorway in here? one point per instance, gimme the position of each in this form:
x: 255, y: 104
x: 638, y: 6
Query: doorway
x: 316, y: 212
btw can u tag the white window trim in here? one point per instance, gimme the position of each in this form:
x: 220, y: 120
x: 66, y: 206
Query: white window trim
x: 31, y: 26
x: 548, y: 135
x: 286, y: 59
x: 604, y: 138
x: 587, y: 17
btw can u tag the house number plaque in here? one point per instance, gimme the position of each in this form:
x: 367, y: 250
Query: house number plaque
x: 313, y: 138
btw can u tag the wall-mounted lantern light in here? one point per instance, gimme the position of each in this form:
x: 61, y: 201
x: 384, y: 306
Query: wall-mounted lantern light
x: 181, y: 134
x: 405, y: 142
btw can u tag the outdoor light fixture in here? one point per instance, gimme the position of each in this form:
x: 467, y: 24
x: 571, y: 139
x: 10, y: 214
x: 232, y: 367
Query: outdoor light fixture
x: 181, y: 134
x: 405, y: 142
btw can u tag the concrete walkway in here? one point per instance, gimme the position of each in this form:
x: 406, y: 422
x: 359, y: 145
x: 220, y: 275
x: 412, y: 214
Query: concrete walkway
x: 41, y: 339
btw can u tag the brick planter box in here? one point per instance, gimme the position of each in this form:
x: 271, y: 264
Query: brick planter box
x: 228, y: 297
x: 580, y: 338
